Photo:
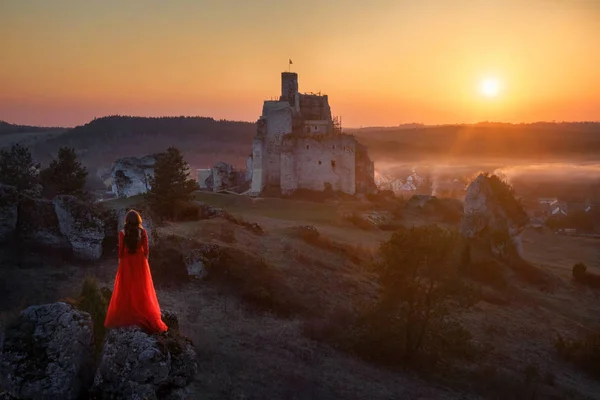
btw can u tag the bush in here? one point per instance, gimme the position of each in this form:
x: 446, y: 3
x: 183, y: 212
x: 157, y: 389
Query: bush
x: 167, y: 265
x: 94, y: 300
x: 255, y: 282
x: 584, y: 353
x: 579, y: 271
x: 581, y: 275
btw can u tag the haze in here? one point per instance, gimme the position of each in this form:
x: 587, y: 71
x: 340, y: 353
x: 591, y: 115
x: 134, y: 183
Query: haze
x: 381, y: 62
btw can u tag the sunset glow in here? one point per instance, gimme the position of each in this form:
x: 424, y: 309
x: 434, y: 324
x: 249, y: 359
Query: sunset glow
x: 65, y: 62
x: 490, y: 87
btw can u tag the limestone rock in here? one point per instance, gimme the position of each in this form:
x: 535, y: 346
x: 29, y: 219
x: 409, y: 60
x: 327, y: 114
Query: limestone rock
x: 81, y: 225
x: 200, y: 258
x: 136, y: 365
x: 9, y: 207
x: 224, y: 176
x: 208, y: 211
x: 47, y: 353
x: 491, y: 211
x: 38, y: 224
x: 131, y: 176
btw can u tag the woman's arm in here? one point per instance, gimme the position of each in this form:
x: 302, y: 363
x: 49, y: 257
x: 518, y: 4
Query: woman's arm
x: 145, y: 243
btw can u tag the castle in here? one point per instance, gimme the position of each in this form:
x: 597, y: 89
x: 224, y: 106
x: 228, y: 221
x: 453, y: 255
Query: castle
x: 298, y: 145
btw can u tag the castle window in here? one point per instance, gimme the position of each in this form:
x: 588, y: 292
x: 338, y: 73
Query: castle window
x: 319, y: 162
x: 333, y: 163
x: 316, y: 128
x: 307, y: 147
x: 333, y: 147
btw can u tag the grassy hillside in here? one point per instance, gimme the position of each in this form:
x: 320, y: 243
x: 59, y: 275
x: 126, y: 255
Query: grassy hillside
x: 245, y: 352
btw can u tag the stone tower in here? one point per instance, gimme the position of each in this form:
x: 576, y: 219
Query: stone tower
x: 289, y: 89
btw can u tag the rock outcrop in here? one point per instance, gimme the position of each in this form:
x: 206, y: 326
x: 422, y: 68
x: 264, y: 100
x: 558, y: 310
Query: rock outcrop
x: 224, y: 176
x: 38, y: 225
x: 131, y: 176
x: 47, y: 353
x: 492, y: 213
x: 136, y: 365
x: 81, y: 225
x: 9, y: 211
x: 197, y: 260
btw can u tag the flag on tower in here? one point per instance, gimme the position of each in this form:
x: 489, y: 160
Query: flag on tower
x: 291, y: 61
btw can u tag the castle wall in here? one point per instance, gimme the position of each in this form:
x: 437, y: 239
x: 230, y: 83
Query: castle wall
x: 317, y: 127
x: 365, y: 171
x: 258, y: 170
x: 279, y: 123
x: 309, y: 162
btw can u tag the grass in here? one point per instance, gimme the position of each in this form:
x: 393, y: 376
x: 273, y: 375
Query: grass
x: 258, y: 352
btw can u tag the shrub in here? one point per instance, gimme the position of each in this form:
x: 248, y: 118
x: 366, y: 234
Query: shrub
x: 579, y: 271
x: 94, y: 300
x: 255, y: 282
x: 167, y: 265
x: 584, y: 353
x: 581, y: 275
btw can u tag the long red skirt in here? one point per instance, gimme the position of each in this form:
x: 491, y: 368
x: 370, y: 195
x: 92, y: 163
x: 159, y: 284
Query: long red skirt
x: 134, y: 300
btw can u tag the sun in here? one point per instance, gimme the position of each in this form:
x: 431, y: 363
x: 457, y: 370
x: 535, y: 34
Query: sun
x: 490, y: 87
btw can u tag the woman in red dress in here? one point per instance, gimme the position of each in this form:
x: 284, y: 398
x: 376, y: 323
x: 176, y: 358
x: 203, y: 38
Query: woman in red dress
x: 134, y: 300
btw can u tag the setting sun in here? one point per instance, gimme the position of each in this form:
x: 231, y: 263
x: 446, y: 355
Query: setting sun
x: 490, y: 87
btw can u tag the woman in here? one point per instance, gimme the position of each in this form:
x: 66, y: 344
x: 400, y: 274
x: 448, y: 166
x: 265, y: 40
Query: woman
x: 134, y: 300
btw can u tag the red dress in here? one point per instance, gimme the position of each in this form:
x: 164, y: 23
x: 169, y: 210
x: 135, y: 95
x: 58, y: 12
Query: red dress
x: 134, y: 300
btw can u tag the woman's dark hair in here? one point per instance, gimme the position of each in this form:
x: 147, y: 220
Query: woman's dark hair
x: 133, y: 230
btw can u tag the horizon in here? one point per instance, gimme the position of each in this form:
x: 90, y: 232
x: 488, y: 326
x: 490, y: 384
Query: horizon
x: 421, y: 125
x: 431, y: 62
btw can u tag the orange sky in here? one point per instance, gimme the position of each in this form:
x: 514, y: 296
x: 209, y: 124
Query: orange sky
x: 382, y: 62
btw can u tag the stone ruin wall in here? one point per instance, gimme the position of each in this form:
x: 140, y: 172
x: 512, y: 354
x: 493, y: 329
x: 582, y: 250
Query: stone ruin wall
x: 279, y: 123
x: 309, y: 162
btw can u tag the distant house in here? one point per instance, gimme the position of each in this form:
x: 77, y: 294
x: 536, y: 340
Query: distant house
x: 558, y: 209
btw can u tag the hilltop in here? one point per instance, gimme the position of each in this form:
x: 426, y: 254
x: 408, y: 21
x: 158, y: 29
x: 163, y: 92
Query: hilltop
x: 205, y: 141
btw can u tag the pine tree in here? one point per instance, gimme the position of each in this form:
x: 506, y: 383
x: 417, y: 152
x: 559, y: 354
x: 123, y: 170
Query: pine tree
x: 65, y: 175
x: 18, y: 169
x: 171, y: 187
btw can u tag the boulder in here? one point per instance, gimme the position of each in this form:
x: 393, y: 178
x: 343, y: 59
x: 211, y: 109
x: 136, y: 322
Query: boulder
x: 200, y: 258
x: 38, y: 225
x: 136, y: 365
x: 9, y: 211
x: 48, y: 353
x: 131, y: 176
x: 81, y: 225
x: 224, y: 176
x: 491, y: 212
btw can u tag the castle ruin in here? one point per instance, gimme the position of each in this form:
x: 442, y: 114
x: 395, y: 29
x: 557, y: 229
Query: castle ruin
x: 299, y: 145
